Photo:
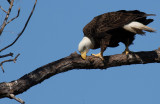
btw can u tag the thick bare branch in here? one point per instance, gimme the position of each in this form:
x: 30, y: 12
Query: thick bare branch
x: 74, y: 61
x: 22, y: 29
x: 14, y: 60
x: 6, y: 18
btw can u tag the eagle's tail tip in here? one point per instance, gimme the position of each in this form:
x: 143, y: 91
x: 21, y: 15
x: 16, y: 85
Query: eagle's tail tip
x: 149, y: 29
x: 150, y: 14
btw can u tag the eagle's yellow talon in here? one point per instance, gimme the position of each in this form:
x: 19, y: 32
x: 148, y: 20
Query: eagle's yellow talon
x: 126, y: 52
x: 98, y: 55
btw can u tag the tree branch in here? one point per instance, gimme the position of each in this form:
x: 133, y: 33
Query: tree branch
x: 22, y: 29
x: 17, y: 99
x: 3, y: 9
x: 6, y: 18
x: 14, y: 60
x: 74, y: 61
x: 10, y: 54
x: 14, y: 17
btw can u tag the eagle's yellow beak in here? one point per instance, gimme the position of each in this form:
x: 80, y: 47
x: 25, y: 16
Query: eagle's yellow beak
x: 83, y: 54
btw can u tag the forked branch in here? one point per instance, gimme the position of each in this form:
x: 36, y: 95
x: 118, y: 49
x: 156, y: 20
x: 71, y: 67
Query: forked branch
x: 14, y: 17
x: 7, y: 15
x: 10, y: 60
x: 22, y: 29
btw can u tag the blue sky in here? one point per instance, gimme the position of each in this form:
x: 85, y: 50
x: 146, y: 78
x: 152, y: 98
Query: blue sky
x: 54, y: 32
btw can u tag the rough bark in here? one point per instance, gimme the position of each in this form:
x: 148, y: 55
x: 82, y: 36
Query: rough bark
x: 74, y: 61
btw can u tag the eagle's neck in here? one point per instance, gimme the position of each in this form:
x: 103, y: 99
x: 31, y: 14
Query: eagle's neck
x: 89, y: 42
x: 86, y: 43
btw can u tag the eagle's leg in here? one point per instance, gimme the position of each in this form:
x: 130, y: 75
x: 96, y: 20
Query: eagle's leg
x: 127, y: 44
x: 100, y: 55
x: 126, y: 51
x: 104, y: 45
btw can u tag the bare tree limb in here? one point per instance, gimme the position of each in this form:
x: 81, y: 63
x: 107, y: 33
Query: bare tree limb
x: 3, y: 26
x: 17, y: 99
x: 6, y: 18
x: 3, y: 9
x: 10, y: 54
x: 14, y: 17
x: 14, y: 60
x: 22, y: 29
x: 74, y: 61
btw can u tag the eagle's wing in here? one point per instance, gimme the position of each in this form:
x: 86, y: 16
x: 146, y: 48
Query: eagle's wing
x: 112, y: 20
x: 115, y: 20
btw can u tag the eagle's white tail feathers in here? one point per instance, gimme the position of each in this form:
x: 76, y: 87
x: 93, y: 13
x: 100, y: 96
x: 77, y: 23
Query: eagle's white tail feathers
x: 137, y: 28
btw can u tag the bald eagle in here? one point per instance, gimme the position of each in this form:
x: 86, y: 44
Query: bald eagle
x: 108, y: 29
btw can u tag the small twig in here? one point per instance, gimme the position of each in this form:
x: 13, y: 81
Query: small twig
x: 6, y: 18
x: 12, y: 96
x: 14, y: 60
x: 22, y: 29
x: 2, y: 68
x: 3, y: 9
x: 14, y: 17
x: 10, y: 54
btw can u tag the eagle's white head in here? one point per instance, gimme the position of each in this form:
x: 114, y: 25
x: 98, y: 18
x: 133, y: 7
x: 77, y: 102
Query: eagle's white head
x: 84, y: 46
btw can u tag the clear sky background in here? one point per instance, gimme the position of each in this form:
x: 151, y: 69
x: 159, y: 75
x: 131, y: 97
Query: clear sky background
x: 54, y: 32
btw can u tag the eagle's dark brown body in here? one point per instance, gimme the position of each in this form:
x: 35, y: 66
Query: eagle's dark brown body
x: 107, y: 29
